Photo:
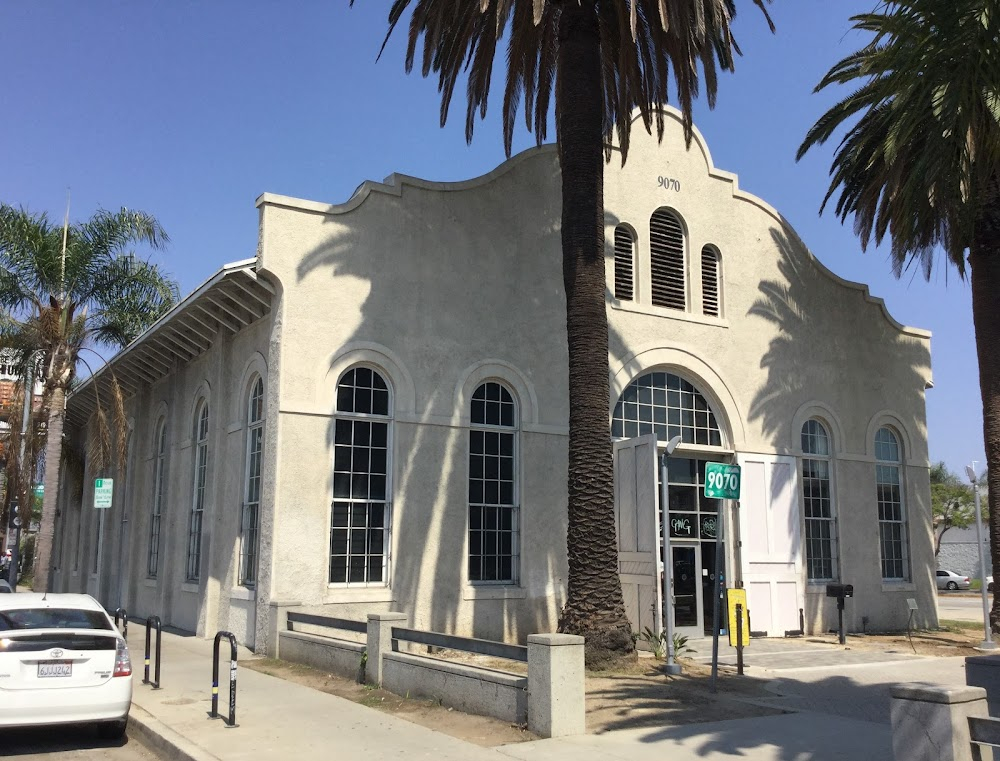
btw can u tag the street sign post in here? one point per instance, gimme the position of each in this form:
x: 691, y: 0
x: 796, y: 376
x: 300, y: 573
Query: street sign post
x: 722, y: 481
x: 103, y: 492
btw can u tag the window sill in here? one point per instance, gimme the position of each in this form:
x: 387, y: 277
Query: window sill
x: 673, y: 314
x: 898, y: 586
x: 191, y: 586
x: 242, y: 593
x: 493, y: 593
x: 337, y: 593
x: 151, y: 583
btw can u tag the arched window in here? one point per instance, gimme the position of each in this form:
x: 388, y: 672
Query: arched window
x: 198, y: 496
x: 250, y: 519
x: 493, y: 512
x: 666, y: 260
x: 711, y: 281
x: 158, y: 501
x: 624, y: 262
x: 818, y: 507
x: 667, y: 405
x: 360, y: 515
x: 893, y: 548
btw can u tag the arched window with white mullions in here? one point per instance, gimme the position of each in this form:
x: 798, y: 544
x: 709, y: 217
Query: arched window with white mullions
x: 493, y: 510
x: 250, y: 513
x: 198, y: 495
x: 158, y: 500
x: 818, y: 505
x: 360, y: 513
x: 667, y: 405
x: 893, y: 541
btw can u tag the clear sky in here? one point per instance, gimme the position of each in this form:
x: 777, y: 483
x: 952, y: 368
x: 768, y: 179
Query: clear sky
x: 190, y: 110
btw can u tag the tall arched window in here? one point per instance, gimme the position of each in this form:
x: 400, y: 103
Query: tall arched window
x: 250, y: 518
x: 360, y: 514
x: 666, y: 260
x: 711, y: 281
x: 198, y: 495
x: 624, y: 263
x: 817, y: 498
x: 667, y: 405
x: 893, y: 548
x: 157, y: 503
x: 493, y: 512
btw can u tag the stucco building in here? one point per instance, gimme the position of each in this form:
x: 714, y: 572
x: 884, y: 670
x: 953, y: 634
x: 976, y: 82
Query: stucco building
x: 372, y: 415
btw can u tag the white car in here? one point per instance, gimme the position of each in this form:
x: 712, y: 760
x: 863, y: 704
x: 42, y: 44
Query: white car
x: 62, y: 661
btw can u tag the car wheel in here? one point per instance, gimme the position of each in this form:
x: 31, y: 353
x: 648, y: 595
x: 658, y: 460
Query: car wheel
x: 951, y: 585
x: 989, y: 587
x: 112, y: 730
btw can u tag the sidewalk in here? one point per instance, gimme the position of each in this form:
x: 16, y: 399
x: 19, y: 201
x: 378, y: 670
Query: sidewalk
x: 281, y: 719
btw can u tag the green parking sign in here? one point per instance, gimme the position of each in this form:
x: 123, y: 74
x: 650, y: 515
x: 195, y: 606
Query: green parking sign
x: 722, y: 481
x: 104, y: 489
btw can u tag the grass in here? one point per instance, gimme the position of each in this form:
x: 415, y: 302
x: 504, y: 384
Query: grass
x: 960, y: 626
x: 977, y: 584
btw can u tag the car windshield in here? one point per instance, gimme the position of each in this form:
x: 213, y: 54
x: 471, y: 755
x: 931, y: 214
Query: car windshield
x: 53, y: 618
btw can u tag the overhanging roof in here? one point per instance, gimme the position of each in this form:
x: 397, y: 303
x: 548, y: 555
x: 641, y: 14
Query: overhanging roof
x: 231, y: 299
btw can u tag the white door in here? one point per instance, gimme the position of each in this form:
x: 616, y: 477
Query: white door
x: 771, y: 542
x: 638, y: 528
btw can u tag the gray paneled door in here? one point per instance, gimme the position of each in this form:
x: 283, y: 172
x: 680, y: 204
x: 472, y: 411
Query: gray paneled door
x: 638, y: 525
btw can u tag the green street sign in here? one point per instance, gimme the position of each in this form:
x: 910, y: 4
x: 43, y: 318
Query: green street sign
x: 104, y: 489
x: 722, y: 481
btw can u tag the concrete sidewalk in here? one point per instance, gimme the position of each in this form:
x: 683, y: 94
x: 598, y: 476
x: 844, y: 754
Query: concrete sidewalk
x: 281, y: 719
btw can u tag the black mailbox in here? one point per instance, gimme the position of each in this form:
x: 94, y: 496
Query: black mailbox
x: 840, y: 590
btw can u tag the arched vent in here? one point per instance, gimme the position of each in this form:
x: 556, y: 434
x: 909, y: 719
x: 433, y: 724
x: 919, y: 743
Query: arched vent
x: 710, y: 281
x: 624, y: 246
x: 666, y: 255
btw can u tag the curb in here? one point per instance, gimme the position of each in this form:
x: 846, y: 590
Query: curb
x: 161, y: 739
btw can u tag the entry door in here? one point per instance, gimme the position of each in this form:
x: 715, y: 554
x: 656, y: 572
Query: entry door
x: 687, y: 590
x: 638, y: 527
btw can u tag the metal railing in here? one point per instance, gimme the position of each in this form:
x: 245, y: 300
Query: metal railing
x: 151, y: 621
x: 465, y: 644
x: 359, y: 627
x: 232, y: 678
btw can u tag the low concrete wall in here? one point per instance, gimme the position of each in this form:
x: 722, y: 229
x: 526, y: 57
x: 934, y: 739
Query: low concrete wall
x: 931, y: 722
x: 335, y: 656
x: 467, y: 688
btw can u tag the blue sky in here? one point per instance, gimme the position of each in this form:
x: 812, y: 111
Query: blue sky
x: 190, y: 110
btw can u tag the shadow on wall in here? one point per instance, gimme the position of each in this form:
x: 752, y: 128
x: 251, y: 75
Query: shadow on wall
x: 816, y: 340
x: 466, y: 273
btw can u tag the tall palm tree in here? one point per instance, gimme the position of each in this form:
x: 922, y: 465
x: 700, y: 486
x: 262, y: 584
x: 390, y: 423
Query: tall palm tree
x: 921, y: 163
x: 602, y: 59
x: 67, y: 288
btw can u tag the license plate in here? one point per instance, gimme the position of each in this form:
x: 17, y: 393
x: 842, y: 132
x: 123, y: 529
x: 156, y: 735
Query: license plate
x: 55, y: 668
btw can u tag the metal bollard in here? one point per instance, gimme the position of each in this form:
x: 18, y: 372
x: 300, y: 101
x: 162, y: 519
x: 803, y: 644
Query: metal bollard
x: 232, y: 678
x: 159, y: 634
x: 739, y: 639
x: 124, y: 615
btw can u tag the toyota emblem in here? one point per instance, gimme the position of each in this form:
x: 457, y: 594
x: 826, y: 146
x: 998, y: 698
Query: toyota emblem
x: 56, y: 653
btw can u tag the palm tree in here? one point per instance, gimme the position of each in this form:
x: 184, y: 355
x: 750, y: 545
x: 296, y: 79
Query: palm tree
x: 601, y: 59
x: 922, y: 164
x: 67, y: 288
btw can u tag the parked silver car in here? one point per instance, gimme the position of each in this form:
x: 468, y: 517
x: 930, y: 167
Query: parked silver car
x: 951, y: 581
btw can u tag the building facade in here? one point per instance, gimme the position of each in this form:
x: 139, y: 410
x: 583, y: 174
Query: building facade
x: 372, y: 415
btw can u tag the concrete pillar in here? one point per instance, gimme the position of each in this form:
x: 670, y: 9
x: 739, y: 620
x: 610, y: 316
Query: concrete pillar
x: 556, y: 688
x: 277, y: 622
x: 380, y: 642
x: 931, y: 722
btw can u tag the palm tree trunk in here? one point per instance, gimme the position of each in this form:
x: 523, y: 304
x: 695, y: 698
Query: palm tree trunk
x: 594, y: 605
x: 53, y: 463
x: 984, y: 261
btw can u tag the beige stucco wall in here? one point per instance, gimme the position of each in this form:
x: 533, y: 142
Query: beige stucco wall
x: 442, y: 286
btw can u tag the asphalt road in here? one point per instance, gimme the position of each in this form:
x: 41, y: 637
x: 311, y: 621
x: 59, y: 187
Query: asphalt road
x: 960, y: 606
x: 68, y: 744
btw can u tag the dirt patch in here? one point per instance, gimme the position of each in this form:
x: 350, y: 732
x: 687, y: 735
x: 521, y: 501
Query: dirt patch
x: 480, y: 730
x: 954, y: 638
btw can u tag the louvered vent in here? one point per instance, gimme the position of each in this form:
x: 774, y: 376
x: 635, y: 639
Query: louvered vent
x: 710, y: 281
x: 623, y: 263
x: 666, y: 254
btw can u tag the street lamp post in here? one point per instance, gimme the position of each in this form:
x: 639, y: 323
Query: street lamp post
x: 668, y: 596
x: 987, y: 643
